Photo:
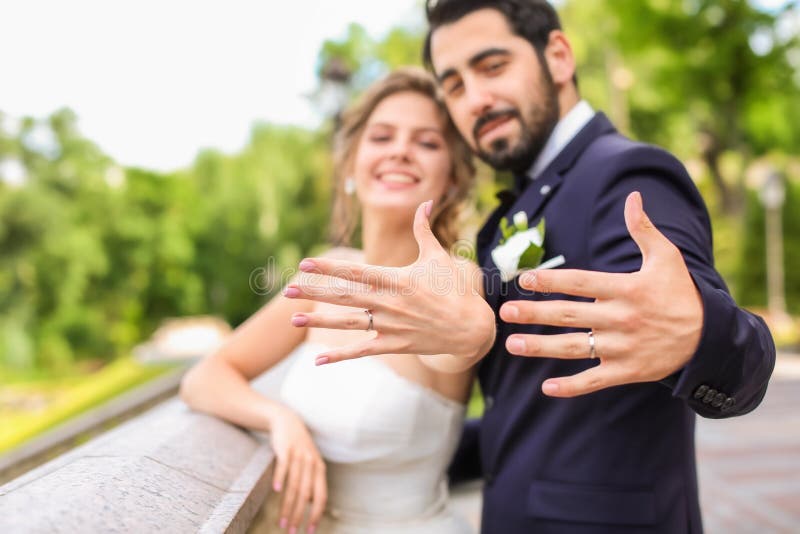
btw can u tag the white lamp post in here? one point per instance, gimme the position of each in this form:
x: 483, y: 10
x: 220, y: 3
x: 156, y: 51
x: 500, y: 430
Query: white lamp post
x: 773, y: 195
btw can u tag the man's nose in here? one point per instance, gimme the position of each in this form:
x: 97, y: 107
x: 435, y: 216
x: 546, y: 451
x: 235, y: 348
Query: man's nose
x: 479, y: 100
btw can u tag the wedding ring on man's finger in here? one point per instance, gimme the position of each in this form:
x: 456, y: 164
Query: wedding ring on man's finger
x: 370, y: 325
x: 592, y: 348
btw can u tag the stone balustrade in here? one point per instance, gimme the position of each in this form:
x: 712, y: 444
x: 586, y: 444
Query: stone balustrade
x: 168, y: 470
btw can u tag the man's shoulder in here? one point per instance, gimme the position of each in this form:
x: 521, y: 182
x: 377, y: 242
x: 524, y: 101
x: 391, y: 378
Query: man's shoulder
x: 615, y: 146
x: 615, y: 151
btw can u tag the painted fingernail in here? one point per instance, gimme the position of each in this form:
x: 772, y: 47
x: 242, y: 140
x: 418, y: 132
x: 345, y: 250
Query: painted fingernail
x: 307, y: 266
x: 311, y: 529
x: 291, y: 292
x: 550, y: 388
x: 512, y: 312
x: 515, y: 345
x: 299, y: 320
x: 293, y: 530
x: 277, y: 486
x: 284, y: 523
x: 322, y: 360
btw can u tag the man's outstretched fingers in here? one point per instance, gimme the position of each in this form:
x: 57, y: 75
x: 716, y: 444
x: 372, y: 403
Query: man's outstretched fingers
x: 572, y: 282
x: 648, y: 238
x: 556, y: 313
x: 571, y: 346
x: 591, y: 380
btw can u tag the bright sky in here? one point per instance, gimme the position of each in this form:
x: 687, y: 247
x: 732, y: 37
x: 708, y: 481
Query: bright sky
x: 153, y: 81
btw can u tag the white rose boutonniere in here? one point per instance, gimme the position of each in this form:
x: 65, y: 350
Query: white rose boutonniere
x: 521, y: 248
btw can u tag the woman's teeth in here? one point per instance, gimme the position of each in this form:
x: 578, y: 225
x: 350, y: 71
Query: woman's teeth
x: 397, y: 178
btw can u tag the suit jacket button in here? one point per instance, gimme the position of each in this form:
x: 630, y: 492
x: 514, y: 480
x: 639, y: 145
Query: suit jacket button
x: 710, y: 394
x: 488, y: 402
x: 719, y: 399
x: 728, y: 404
x: 545, y: 190
x: 700, y: 392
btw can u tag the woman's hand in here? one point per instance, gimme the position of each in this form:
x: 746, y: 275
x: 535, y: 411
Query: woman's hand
x: 433, y: 306
x: 300, y: 471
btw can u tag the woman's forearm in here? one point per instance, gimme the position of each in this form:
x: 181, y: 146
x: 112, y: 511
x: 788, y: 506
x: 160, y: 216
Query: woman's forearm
x: 214, y: 387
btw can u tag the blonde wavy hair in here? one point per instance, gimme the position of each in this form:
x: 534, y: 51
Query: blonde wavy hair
x: 446, y: 214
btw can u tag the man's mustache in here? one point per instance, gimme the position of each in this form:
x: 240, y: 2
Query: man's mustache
x: 490, y: 116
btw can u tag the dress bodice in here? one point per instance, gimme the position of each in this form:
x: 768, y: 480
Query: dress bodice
x: 386, y: 440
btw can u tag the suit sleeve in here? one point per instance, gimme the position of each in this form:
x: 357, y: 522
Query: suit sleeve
x: 730, y: 370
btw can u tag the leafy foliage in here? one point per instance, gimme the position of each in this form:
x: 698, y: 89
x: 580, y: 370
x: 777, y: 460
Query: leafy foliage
x: 93, y: 257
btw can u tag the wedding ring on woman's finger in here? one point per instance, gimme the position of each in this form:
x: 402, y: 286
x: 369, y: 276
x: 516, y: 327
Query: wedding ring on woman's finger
x: 592, y: 345
x: 370, y: 325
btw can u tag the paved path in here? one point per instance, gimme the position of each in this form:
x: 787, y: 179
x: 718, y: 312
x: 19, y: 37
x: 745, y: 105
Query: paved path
x: 749, y: 467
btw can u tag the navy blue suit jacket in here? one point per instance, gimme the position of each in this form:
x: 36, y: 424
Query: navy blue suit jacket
x: 621, y: 459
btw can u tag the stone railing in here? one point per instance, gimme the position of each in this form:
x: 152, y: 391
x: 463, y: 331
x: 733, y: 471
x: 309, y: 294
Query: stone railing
x: 168, y: 469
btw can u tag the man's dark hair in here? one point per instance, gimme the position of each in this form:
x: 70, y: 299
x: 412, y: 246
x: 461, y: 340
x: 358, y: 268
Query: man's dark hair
x: 533, y: 20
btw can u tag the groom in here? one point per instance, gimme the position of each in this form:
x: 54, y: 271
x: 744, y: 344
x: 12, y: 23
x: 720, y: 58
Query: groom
x: 592, y: 431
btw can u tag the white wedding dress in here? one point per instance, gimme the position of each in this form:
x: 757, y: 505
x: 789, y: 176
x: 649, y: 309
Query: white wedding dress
x: 386, y: 440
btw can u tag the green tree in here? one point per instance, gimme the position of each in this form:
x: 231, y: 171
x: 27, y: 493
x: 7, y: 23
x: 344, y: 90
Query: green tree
x: 704, y: 78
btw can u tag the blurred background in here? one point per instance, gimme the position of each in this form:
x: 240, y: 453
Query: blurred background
x: 170, y: 160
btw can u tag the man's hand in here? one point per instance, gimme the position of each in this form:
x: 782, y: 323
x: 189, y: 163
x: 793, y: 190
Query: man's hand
x: 429, y: 307
x: 646, y: 324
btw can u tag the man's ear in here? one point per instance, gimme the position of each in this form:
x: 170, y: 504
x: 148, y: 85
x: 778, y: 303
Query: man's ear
x: 560, y: 58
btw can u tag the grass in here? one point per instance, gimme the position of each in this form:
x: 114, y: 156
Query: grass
x: 31, y: 407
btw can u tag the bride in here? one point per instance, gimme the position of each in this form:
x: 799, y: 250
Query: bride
x: 361, y: 446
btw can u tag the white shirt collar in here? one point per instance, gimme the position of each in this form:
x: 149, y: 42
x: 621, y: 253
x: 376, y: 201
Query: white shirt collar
x: 566, y: 130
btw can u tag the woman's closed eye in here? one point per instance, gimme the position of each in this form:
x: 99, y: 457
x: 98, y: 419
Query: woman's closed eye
x: 430, y: 144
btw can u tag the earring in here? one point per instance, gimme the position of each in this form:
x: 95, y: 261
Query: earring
x: 350, y: 186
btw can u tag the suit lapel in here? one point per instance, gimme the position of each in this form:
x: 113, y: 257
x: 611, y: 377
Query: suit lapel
x: 532, y: 201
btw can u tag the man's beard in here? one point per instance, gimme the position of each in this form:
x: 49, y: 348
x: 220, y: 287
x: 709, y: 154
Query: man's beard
x: 535, y: 128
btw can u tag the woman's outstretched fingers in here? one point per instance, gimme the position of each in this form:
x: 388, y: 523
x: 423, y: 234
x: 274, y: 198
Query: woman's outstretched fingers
x: 338, y: 321
x: 378, y: 345
x: 371, y: 275
x: 339, y: 294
